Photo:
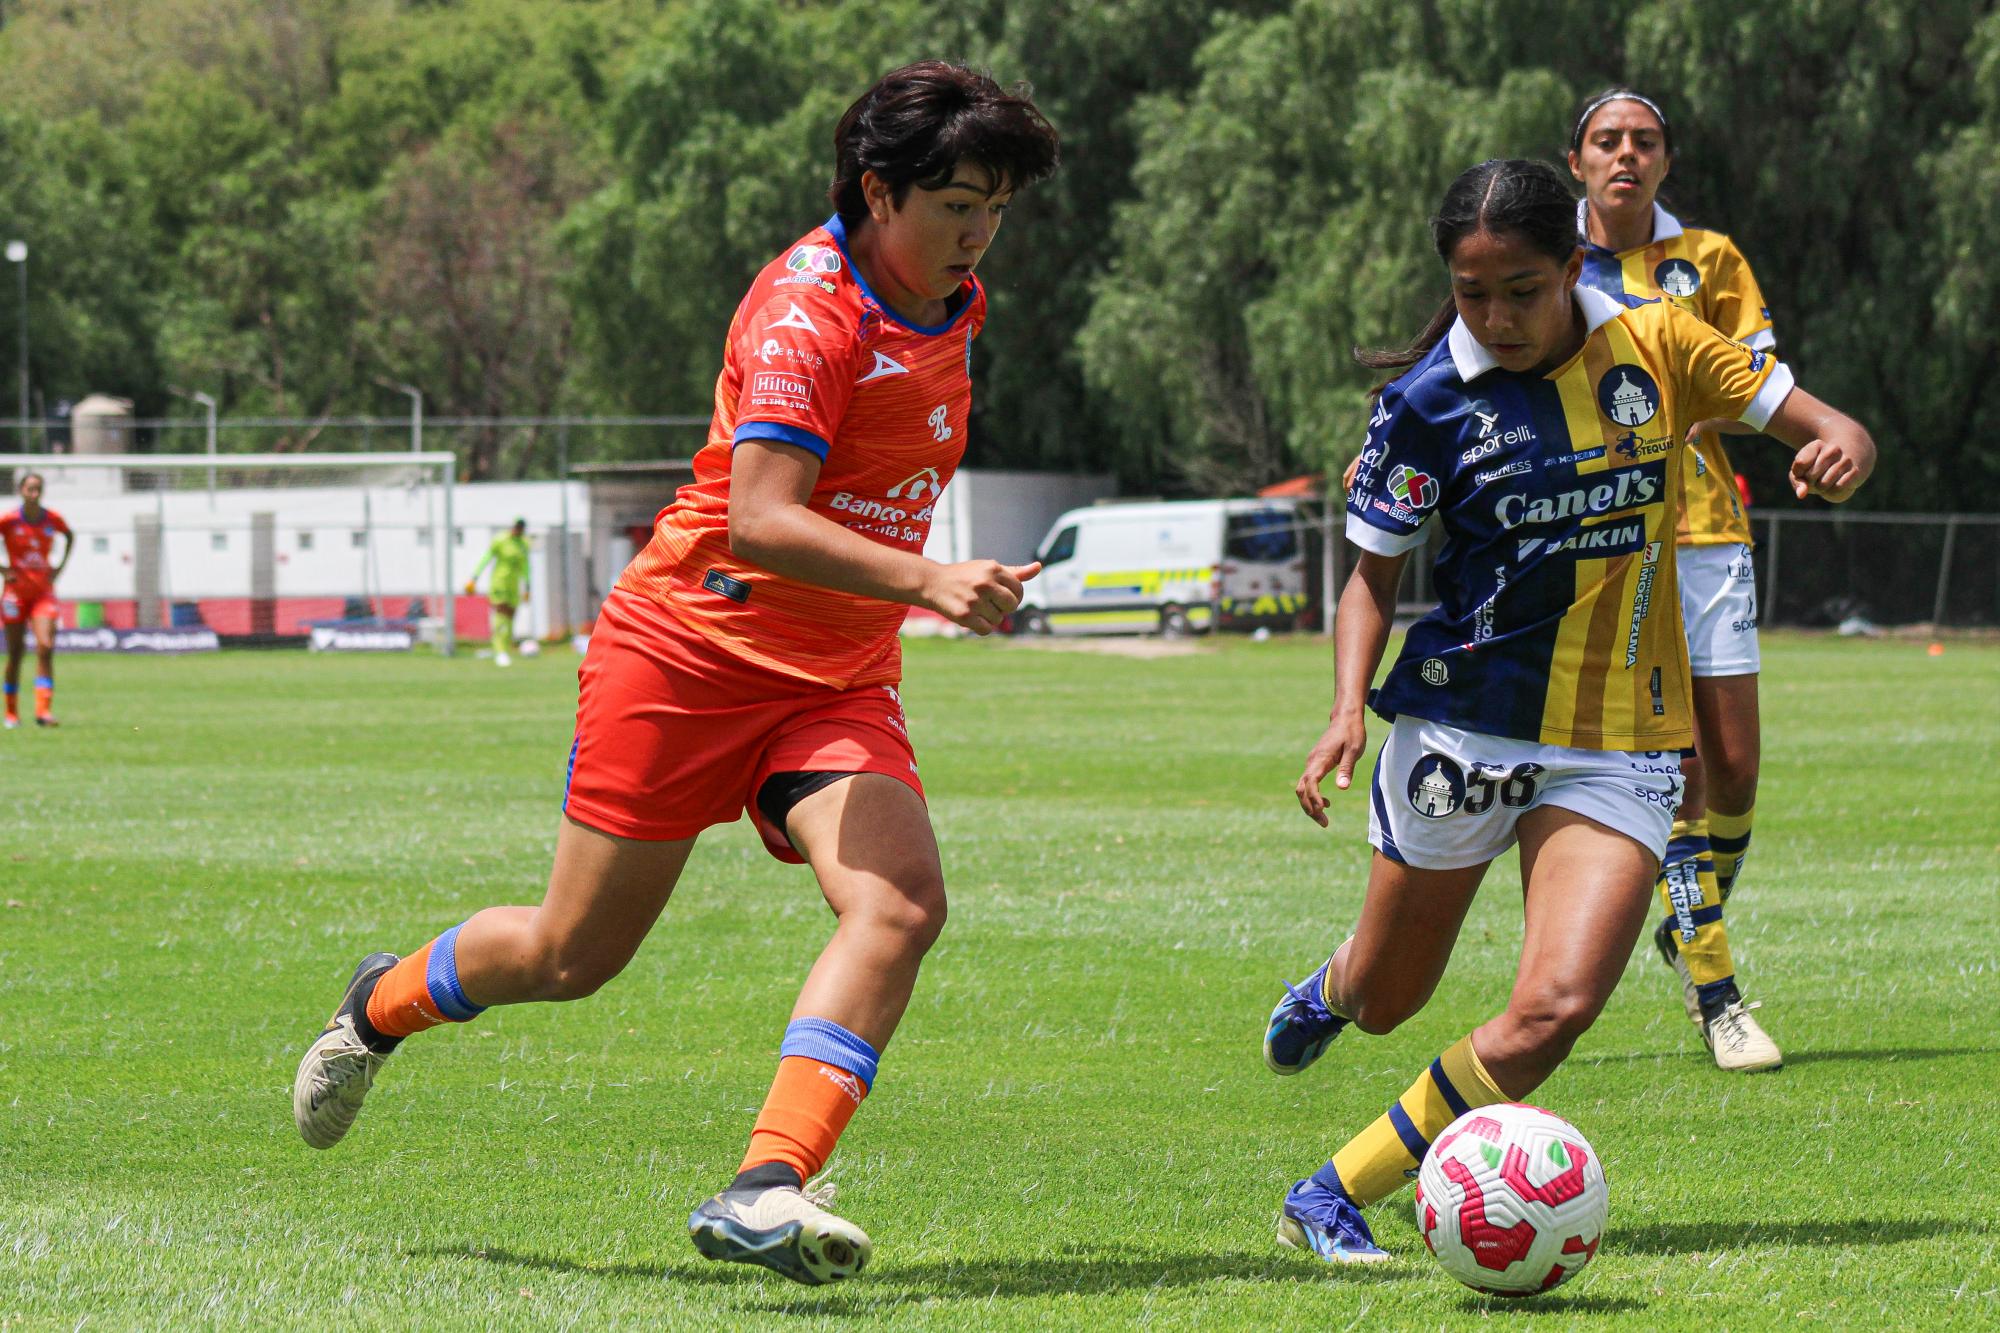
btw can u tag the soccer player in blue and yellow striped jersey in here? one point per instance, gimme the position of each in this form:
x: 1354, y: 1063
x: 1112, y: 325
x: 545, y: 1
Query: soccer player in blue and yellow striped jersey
x: 1541, y: 425
x: 1621, y: 147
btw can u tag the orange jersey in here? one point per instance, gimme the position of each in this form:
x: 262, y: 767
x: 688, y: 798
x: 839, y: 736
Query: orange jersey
x: 815, y: 360
x: 29, y: 545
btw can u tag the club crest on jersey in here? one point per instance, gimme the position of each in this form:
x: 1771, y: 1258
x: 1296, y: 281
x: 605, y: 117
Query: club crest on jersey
x: 814, y: 259
x: 1435, y: 672
x: 1677, y: 277
x: 1628, y: 395
x: 1436, y: 787
x: 1413, y: 489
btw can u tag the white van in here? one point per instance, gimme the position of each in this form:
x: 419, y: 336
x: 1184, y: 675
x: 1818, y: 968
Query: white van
x: 1169, y: 567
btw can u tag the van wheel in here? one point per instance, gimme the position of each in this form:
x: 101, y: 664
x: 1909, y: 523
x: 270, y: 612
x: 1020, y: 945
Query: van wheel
x: 1032, y: 620
x: 1174, y: 622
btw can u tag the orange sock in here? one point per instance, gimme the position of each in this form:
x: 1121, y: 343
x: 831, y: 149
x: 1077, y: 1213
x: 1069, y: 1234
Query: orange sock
x: 823, y: 1073
x: 422, y: 991
x: 14, y: 702
x: 45, y: 695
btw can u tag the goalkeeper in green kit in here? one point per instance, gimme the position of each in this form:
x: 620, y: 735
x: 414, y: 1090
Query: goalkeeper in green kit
x: 507, y: 590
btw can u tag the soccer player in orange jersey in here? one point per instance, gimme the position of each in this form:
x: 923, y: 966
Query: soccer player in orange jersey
x: 28, y: 599
x: 748, y: 659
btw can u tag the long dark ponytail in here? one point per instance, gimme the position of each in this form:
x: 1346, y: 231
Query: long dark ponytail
x: 1515, y: 196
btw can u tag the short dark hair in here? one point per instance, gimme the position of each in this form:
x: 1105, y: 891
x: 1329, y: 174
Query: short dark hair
x: 918, y: 123
x: 27, y: 477
x: 1596, y: 102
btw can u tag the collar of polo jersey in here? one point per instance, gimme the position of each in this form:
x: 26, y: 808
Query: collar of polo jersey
x: 1473, y: 360
x: 1665, y: 225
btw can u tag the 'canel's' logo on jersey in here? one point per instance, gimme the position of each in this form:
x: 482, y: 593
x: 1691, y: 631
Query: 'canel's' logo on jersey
x: 1628, y: 395
x: 1628, y: 488
x: 1436, y: 787
x: 1677, y: 277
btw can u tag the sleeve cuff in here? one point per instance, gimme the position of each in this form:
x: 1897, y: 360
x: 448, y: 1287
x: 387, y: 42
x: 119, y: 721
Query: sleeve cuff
x: 1769, y: 398
x: 796, y: 436
x: 1763, y: 340
x: 1377, y: 541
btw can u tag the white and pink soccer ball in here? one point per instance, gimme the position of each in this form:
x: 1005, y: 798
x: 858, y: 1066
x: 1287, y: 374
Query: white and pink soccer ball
x: 1511, y: 1200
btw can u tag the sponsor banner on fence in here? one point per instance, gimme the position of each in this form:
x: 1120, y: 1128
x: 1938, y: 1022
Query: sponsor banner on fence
x: 137, y: 640
x: 335, y: 639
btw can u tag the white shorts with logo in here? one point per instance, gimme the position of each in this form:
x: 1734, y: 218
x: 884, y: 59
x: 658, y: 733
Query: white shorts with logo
x: 1444, y: 798
x: 1719, y: 605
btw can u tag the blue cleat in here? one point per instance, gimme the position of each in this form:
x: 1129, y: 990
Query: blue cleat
x: 1302, y: 1027
x: 1318, y: 1219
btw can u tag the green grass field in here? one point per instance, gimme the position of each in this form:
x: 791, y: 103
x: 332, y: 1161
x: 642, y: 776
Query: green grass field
x: 1073, y: 1128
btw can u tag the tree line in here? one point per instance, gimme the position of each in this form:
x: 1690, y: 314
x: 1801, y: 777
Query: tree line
x: 530, y: 208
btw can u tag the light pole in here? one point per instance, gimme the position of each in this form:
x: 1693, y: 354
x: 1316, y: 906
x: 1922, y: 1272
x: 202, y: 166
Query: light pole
x: 207, y: 401
x: 416, y: 416
x: 17, y: 253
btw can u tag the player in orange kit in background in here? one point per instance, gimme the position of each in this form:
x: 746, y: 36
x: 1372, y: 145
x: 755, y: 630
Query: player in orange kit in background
x: 28, y: 600
x: 749, y: 660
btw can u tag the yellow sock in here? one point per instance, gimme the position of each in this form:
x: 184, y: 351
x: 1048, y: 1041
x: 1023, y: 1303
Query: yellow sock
x: 1375, y: 1163
x: 1688, y: 890
x: 1729, y: 838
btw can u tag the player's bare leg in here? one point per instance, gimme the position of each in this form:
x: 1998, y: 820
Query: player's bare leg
x: 1384, y: 974
x: 604, y: 895
x: 44, y: 628
x: 1585, y: 897
x: 16, y: 643
x: 1729, y: 740
x: 868, y: 839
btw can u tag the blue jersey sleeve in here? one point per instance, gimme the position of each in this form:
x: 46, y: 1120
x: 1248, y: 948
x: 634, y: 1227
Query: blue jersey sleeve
x: 1400, y: 480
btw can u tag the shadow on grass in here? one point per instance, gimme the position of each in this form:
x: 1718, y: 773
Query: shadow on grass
x: 1083, y: 1269
x: 1885, y: 1056
x: 1555, y: 1304
x: 1706, y: 1237
x: 1881, y: 1055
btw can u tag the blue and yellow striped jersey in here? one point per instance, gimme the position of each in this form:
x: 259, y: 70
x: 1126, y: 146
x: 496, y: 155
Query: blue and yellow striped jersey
x: 1560, y: 613
x: 1704, y: 274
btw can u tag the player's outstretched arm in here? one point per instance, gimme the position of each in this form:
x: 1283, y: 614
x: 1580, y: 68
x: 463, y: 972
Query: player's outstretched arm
x: 1835, y: 452
x: 1361, y: 631
x: 769, y: 523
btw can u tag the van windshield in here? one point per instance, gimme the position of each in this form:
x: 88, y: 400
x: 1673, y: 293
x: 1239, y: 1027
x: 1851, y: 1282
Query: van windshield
x: 1061, y: 548
x: 1268, y: 536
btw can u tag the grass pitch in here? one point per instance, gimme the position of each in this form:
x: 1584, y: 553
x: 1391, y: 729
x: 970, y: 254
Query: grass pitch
x: 1072, y: 1129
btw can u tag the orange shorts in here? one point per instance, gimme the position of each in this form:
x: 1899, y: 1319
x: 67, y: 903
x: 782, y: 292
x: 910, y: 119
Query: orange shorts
x: 675, y: 734
x: 22, y: 601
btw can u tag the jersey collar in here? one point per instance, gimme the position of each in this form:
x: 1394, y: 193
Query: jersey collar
x: 1472, y: 360
x: 837, y: 229
x: 1665, y: 225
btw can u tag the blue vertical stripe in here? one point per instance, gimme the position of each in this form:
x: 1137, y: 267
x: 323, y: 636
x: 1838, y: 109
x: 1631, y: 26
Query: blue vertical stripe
x: 1381, y: 810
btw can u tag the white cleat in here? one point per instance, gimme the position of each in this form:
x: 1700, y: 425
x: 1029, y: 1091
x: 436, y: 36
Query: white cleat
x: 501, y: 659
x: 1739, y: 1043
x: 785, y: 1229
x: 338, y: 1068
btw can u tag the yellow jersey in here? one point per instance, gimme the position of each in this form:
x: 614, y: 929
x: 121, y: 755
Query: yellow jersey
x: 1704, y: 274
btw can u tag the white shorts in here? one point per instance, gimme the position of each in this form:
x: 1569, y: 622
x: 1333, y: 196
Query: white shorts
x: 1443, y: 798
x: 1719, y: 605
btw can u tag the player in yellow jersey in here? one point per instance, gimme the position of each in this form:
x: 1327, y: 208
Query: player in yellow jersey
x: 1621, y: 148
x: 1543, y: 701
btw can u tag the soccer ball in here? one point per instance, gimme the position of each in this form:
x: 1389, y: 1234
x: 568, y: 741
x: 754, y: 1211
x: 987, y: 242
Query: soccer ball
x: 1511, y: 1200
x: 531, y: 647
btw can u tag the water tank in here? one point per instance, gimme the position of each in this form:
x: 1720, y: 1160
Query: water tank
x: 101, y: 424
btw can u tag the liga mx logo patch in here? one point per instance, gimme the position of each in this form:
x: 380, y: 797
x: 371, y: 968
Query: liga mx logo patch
x: 1628, y: 395
x: 1677, y: 277
x: 1436, y: 787
x: 1413, y: 489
